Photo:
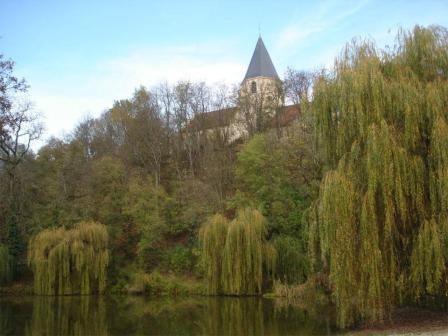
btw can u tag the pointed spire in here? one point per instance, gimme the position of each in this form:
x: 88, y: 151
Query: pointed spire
x: 260, y: 63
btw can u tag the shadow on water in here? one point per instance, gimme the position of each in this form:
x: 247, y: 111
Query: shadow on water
x: 127, y: 315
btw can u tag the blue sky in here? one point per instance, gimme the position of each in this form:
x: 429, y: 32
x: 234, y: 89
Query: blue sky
x: 80, y: 56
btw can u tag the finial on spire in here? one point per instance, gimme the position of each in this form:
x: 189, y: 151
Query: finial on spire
x: 259, y: 30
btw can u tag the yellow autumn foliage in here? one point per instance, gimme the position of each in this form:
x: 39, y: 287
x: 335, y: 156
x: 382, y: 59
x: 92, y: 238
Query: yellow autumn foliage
x: 236, y: 255
x: 70, y: 261
x: 379, y: 226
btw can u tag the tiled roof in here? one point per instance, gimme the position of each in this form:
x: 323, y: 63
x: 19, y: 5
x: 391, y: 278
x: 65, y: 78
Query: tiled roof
x: 214, y: 119
x: 261, y: 63
x: 225, y: 117
x: 286, y: 116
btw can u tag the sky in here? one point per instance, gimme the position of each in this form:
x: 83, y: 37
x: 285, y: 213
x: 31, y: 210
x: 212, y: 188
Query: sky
x: 80, y: 56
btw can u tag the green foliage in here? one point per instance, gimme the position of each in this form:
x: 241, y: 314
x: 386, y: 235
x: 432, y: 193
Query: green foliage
x: 337, y: 213
x: 292, y: 262
x: 212, y: 236
x: 53, y: 171
x: 147, y: 206
x: 275, y: 175
x: 13, y: 244
x: 379, y: 224
x: 70, y: 261
x: 156, y: 284
x: 179, y: 259
x: 6, y: 264
x: 194, y: 202
x: 236, y: 256
x: 245, y: 253
x: 108, y: 188
x: 428, y: 261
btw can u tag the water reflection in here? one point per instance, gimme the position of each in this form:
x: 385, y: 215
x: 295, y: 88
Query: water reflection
x: 90, y: 315
x: 68, y: 315
x: 9, y: 316
x: 231, y: 316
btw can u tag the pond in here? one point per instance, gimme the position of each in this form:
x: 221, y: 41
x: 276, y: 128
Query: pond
x: 128, y: 315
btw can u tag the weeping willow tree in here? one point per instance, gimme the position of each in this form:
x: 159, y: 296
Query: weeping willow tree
x: 246, y: 254
x: 6, y: 264
x: 212, y: 236
x: 70, y: 261
x: 236, y: 255
x: 379, y: 227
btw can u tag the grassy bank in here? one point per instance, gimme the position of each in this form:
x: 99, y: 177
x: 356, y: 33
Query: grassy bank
x: 314, y: 297
x: 16, y: 289
x: 151, y: 284
x: 157, y: 284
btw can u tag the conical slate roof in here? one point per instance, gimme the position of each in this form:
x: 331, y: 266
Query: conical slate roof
x: 261, y: 64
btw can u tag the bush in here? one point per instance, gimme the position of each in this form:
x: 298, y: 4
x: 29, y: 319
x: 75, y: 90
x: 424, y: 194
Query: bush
x: 156, y: 284
x: 179, y: 259
x: 292, y: 262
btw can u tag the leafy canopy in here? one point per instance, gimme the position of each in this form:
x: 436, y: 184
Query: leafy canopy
x: 381, y: 216
x: 70, y: 261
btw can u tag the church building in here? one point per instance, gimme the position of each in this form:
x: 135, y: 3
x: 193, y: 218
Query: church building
x: 260, y: 102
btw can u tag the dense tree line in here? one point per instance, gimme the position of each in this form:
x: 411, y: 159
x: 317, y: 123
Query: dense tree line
x: 148, y: 171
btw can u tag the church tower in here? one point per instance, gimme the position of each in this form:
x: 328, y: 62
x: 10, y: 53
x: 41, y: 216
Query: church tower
x: 260, y: 93
x: 261, y: 72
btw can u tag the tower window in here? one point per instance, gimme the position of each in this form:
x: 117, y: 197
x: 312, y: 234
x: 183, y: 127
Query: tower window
x: 253, y: 87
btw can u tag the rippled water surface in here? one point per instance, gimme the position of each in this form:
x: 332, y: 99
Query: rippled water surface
x: 125, y: 315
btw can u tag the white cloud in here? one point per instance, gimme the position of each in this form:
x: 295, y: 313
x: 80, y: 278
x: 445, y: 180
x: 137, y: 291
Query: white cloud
x: 326, y: 15
x: 144, y: 68
x: 294, y: 34
x: 64, y: 104
x: 62, y: 112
